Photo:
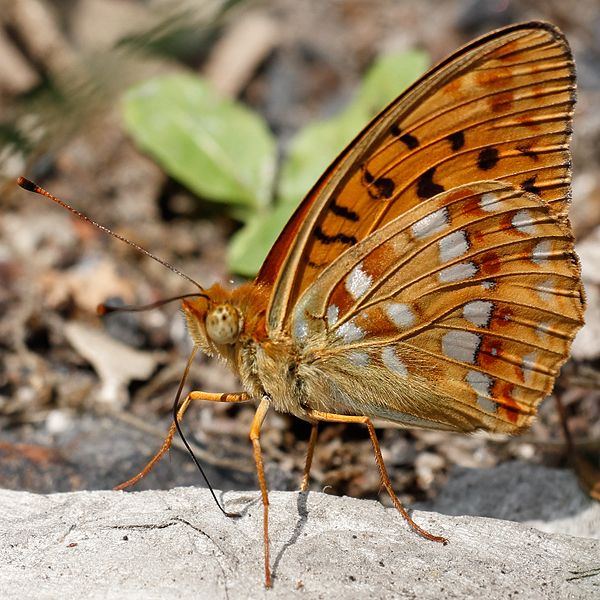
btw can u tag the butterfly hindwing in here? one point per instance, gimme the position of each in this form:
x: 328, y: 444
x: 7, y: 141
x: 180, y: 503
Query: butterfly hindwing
x: 457, y: 314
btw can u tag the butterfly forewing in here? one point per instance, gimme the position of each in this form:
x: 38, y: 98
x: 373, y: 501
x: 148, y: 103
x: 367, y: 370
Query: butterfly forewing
x: 499, y: 109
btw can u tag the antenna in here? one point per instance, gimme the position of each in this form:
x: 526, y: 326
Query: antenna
x: 28, y: 185
x: 104, y: 309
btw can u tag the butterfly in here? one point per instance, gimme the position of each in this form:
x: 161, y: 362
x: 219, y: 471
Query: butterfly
x: 429, y: 277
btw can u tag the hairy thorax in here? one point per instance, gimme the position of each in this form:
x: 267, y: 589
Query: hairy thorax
x: 231, y: 325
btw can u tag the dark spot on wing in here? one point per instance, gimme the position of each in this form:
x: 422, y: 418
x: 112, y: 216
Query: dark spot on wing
x: 342, y: 211
x: 349, y: 240
x: 529, y: 186
x: 487, y: 159
x: 426, y: 187
x: 395, y: 130
x: 410, y: 140
x: 489, y: 263
x: 314, y: 265
x: 457, y: 140
x: 368, y: 177
x: 572, y: 259
x: 384, y: 188
x: 527, y: 151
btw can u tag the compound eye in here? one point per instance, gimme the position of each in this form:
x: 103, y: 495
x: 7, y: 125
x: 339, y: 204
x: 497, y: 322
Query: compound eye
x: 223, y: 324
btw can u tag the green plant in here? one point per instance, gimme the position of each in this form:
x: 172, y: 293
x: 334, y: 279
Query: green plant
x: 225, y: 152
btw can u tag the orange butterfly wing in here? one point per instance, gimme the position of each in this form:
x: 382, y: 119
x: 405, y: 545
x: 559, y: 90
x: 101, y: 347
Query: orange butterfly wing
x: 498, y: 109
x: 407, y: 293
x: 456, y: 315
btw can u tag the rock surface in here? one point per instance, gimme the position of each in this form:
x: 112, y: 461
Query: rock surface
x: 548, y: 499
x: 176, y: 544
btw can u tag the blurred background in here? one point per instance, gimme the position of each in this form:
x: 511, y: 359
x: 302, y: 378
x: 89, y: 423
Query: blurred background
x: 102, y: 103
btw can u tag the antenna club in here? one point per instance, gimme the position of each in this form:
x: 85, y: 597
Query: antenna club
x: 26, y: 184
x: 102, y: 309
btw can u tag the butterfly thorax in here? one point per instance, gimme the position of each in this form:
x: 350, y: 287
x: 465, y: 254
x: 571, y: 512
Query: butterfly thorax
x: 231, y: 325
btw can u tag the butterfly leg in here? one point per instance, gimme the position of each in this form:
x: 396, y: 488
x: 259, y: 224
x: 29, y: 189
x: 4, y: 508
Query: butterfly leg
x: 332, y: 418
x: 259, y: 417
x: 309, y: 455
x: 233, y: 397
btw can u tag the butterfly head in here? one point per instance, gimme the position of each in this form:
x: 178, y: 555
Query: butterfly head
x: 213, y: 320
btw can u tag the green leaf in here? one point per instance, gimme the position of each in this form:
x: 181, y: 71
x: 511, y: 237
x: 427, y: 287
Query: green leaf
x: 225, y: 152
x: 216, y: 147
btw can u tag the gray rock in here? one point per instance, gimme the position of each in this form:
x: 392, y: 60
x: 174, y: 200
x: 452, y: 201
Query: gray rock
x: 176, y: 544
x: 548, y: 499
